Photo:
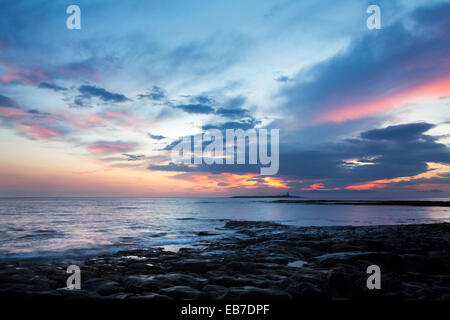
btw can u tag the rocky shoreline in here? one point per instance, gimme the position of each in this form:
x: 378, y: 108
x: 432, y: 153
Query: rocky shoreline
x: 263, y: 261
x: 409, y: 203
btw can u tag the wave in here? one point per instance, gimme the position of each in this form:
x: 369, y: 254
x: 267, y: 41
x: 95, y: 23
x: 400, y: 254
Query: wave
x: 66, y: 255
x: 165, y: 242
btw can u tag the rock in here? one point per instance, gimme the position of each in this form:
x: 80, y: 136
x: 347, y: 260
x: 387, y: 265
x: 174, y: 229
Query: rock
x: 143, y: 266
x: 304, y: 290
x: 235, y: 265
x: 20, y: 289
x: 75, y: 294
x: 206, y: 233
x: 340, y: 281
x: 437, y: 265
x: 119, y: 296
x: 387, y: 261
x: 215, y: 289
x: 253, y: 293
x: 180, y: 292
x: 336, y: 257
x: 297, y: 264
x: 274, y: 258
x: 150, y: 296
x: 305, y: 251
x: 175, y: 279
x: 414, y: 290
x: 103, y: 287
x: 234, y: 281
x: 194, y: 265
x: 414, y: 263
x: 142, y: 283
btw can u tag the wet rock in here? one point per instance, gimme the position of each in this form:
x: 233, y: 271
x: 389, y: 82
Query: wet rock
x: 119, y: 296
x: 340, y: 281
x: 211, y: 292
x: 437, y: 265
x: 206, y: 233
x: 414, y: 262
x: 194, y: 265
x: 303, y: 290
x: 180, y: 292
x: 175, y: 279
x: 305, y: 251
x: 103, y: 287
x: 16, y: 275
x: 18, y: 289
x: 253, y: 293
x: 139, y: 284
x: 151, y: 296
x: 235, y: 281
x: 214, y: 288
x: 414, y: 290
x: 143, y: 267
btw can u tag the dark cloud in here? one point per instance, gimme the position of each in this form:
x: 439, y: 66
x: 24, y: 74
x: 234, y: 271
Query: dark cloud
x: 195, y: 108
x: 156, y: 137
x: 8, y: 102
x: 395, y: 151
x: 235, y: 102
x: 232, y: 113
x: 51, y: 86
x: 204, y: 105
x: 35, y: 112
x: 156, y: 94
x: 243, y: 124
x: 434, y: 17
x: 170, y: 146
x: 80, y: 102
x: 401, y: 132
x: 390, y: 60
x: 134, y: 157
x: 88, y: 91
x: 203, y: 100
x: 282, y: 79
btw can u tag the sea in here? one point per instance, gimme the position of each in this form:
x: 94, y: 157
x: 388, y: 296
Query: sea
x: 76, y: 228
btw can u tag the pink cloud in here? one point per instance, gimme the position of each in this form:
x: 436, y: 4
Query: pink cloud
x: 24, y: 75
x: 12, y: 113
x: 39, y: 132
x: 432, y: 89
x: 111, y: 147
x: 32, y: 75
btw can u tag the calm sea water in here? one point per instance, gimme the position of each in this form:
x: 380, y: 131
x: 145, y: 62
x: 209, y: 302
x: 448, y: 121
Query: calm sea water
x: 55, y: 228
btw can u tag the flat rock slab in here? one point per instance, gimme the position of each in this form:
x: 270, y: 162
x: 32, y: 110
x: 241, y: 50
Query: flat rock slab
x: 257, y: 261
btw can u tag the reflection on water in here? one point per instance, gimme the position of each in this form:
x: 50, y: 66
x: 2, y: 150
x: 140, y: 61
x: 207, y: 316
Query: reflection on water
x: 46, y: 227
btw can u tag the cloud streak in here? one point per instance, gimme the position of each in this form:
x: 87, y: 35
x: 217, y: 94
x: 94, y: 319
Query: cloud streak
x: 88, y: 91
x: 111, y: 147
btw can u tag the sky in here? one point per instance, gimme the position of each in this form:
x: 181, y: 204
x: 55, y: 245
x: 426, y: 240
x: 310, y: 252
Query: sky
x: 362, y: 113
